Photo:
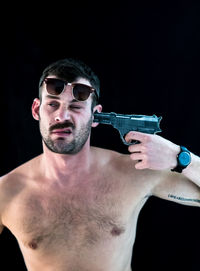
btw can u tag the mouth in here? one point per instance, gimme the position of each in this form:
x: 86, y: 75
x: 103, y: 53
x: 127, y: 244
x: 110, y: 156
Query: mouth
x: 62, y: 132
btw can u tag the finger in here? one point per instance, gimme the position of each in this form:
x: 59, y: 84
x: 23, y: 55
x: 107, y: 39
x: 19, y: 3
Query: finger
x: 136, y: 136
x: 140, y: 165
x: 137, y: 156
x: 136, y: 148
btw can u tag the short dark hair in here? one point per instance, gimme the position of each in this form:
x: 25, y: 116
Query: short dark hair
x: 70, y: 69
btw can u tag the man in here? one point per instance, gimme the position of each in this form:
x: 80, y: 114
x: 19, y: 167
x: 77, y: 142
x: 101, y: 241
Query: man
x: 75, y: 207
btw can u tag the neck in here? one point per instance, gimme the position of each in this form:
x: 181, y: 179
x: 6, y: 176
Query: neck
x: 66, y: 166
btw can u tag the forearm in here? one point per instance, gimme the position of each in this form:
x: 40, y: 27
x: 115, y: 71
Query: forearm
x: 163, y: 156
x: 156, y: 153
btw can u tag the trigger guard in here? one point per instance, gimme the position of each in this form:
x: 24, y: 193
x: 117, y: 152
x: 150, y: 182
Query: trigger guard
x: 133, y: 142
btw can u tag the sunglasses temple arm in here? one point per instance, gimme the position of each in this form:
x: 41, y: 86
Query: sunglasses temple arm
x: 126, y: 123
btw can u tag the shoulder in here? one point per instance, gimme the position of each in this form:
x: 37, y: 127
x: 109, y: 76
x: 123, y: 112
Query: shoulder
x: 110, y: 157
x: 117, y: 161
x: 10, y: 186
x: 12, y: 183
x: 123, y: 167
x: 115, y: 164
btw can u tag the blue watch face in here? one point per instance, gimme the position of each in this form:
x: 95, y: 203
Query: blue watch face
x: 184, y: 159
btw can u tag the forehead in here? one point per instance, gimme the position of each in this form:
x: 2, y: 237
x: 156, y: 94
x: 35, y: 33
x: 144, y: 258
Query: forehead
x: 81, y: 80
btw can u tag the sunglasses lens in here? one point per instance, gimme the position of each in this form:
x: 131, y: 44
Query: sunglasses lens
x: 81, y: 92
x: 54, y: 86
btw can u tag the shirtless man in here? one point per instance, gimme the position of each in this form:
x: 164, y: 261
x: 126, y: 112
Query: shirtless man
x: 75, y: 207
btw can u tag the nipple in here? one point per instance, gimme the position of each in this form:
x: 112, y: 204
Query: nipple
x: 33, y: 244
x: 116, y: 231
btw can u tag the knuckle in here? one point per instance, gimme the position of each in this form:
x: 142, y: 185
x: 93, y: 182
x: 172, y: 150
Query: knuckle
x: 145, y: 157
x: 147, y: 138
x: 130, y: 148
x: 146, y: 160
x: 130, y: 134
x: 145, y: 164
x: 132, y: 156
x: 144, y: 148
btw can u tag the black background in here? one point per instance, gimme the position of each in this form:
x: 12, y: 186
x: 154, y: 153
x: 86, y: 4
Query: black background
x: 147, y: 57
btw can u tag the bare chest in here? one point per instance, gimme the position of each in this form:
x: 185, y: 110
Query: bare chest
x: 72, y: 219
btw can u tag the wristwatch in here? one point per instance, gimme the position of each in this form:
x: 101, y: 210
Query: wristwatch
x: 183, y: 159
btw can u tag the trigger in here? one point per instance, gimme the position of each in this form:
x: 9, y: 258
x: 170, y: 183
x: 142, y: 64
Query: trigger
x: 132, y: 142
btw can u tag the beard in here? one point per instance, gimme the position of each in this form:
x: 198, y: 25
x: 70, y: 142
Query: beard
x: 60, y: 145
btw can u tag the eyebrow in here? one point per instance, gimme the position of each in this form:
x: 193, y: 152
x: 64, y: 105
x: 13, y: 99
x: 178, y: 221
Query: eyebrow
x: 58, y: 98
x: 53, y: 97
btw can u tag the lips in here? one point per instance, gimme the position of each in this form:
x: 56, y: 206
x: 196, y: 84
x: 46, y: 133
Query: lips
x: 65, y: 131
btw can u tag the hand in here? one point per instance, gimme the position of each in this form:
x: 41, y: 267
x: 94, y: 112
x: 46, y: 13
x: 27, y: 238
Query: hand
x: 153, y: 151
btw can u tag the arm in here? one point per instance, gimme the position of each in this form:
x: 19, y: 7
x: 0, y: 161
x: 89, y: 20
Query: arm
x: 158, y: 154
x: 1, y: 205
x: 177, y: 188
x: 1, y: 228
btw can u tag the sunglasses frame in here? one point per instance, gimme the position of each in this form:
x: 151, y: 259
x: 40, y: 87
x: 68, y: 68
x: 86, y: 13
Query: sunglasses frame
x: 65, y: 84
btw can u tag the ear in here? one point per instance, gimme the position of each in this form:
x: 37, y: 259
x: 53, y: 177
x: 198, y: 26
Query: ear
x: 35, y: 108
x: 97, y: 108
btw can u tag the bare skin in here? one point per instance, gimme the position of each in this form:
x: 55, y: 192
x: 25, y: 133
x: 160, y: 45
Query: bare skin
x: 79, y: 211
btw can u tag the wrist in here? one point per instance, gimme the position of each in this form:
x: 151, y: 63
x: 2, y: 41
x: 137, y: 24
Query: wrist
x: 183, y: 159
x: 176, y: 151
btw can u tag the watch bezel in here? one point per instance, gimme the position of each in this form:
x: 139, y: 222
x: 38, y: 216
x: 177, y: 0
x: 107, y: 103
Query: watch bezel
x: 184, y: 154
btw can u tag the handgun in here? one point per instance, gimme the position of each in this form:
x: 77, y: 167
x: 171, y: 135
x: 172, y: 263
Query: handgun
x: 125, y: 123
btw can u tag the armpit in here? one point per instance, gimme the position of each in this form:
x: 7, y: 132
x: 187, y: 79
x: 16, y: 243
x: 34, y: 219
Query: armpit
x: 1, y: 228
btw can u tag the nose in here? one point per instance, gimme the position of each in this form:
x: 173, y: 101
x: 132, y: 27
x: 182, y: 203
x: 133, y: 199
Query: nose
x: 62, y: 115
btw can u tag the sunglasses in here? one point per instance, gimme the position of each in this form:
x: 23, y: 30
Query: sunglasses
x: 80, y: 92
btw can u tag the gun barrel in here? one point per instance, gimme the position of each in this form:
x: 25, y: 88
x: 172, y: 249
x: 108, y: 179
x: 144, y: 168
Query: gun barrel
x: 145, y: 124
x: 104, y: 118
